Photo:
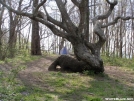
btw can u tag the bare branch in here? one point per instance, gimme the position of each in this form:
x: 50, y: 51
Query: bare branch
x: 75, y: 2
x: 52, y: 27
x: 58, y: 23
x: 26, y: 7
x: 15, y: 11
x: 1, y: 13
x: 19, y: 7
x: 101, y: 17
x: 49, y: 25
x: 65, y: 2
x: 65, y: 16
x: 71, y: 10
x: 84, y: 19
x: 112, y: 3
x: 36, y: 9
x: 41, y: 15
x: 95, y: 47
x: 116, y: 20
x: 98, y: 31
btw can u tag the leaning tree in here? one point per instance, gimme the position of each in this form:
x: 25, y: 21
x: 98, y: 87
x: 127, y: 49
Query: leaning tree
x: 84, y: 51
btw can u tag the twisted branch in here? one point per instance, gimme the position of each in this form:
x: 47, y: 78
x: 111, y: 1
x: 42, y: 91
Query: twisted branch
x: 104, y: 16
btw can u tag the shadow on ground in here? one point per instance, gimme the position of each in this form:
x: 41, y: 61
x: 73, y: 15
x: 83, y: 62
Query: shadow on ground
x: 114, y: 83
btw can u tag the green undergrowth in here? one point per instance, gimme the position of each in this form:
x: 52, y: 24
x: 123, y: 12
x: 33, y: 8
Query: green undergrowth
x: 10, y: 87
x: 58, y: 86
x: 121, y: 62
x: 21, y: 59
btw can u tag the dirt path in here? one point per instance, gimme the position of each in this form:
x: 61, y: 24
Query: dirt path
x: 120, y: 74
x: 37, y: 66
x: 42, y: 64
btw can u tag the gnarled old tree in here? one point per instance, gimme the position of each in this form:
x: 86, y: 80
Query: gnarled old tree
x: 85, y: 51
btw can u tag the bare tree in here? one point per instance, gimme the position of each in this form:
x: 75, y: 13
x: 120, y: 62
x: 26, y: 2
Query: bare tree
x: 83, y: 49
x: 14, y: 19
x: 35, y: 43
x: 1, y: 31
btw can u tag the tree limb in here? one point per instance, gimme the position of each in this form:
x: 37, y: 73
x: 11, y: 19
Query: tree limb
x: 112, y: 3
x: 65, y: 17
x: 52, y: 27
x: 15, y: 11
x: 84, y: 18
x: 49, y: 25
x: 19, y: 7
x: 95, y: 47
x: 58, y: 23
x: 116, y: 20
x: 25, y: 8
x: 36, y: 9
x: 90, y: 46
x: 65, y: 2
x: 71, y: 9
x: 98, y: 30
x: 75, y: 2
x: 104, y: 16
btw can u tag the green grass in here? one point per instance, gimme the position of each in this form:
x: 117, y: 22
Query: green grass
x: 121, y: 62
x: 64, y: 86
x: 20, y: 59
x: 10, y: 87
x: 70, y: 86
x: 57, y: 86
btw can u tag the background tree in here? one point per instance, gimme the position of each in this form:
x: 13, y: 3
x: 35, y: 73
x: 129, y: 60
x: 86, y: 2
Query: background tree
x: 35, y: 42
x: 14, y: 19
x: 1, y: 31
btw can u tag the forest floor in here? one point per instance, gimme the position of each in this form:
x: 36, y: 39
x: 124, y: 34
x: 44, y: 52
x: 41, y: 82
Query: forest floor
x: 39, y: 84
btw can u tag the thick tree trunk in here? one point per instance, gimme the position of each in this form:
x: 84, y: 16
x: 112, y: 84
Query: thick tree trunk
x: 93, y: 61
x: 86, y: 63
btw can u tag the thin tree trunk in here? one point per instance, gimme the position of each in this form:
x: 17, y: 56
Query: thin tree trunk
x: 1, y: 32
x: 35, y: 43
x: 12, y: 35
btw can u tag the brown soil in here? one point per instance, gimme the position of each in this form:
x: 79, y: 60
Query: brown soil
x: 120, y: 74
x: 41, y: 66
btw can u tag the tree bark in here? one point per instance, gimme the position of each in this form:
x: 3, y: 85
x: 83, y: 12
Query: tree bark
x: 2, y: 57
x: 12, y: 35
x: 35, y: 42
x: 14, y: 19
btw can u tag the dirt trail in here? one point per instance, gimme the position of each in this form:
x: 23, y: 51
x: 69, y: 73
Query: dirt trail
x: 37, y: 66
x: 120, y: 74
x: 41, y: 66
